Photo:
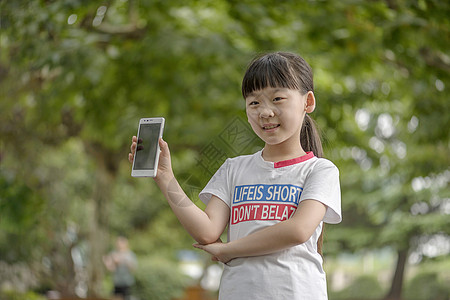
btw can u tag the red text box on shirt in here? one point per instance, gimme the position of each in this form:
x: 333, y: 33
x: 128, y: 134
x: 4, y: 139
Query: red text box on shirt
x: 261, y: 212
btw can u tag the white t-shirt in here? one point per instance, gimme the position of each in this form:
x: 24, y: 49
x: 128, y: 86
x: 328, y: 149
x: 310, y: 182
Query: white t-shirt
x: 260, y: 194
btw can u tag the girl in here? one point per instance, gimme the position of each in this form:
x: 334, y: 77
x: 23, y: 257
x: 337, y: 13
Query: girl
x: 275, y: 201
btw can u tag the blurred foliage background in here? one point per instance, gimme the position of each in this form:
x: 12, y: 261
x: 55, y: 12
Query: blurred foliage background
x: 76, y: 76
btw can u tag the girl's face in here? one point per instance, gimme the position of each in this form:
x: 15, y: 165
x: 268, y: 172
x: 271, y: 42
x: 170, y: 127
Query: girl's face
x: 276, y: 114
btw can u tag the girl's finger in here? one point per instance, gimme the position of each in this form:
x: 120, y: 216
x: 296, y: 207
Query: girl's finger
x: 133, y: 144
x: 163, y: 145
x: 164, y: 148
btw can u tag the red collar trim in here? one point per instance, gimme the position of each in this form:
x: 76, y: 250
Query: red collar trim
x: 289, y: 162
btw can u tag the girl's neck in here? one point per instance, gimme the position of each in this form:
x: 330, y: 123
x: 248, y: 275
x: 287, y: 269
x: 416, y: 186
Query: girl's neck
x: 281, y: 152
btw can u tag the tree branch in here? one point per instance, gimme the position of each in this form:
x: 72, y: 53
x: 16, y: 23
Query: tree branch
x: 435, y: 59
x: 392, y: 4
x: 129, y: 31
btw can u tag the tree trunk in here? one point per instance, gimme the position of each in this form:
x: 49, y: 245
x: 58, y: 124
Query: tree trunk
x: 98, y: 237
x: 395, y: 292
x: 98, y: 234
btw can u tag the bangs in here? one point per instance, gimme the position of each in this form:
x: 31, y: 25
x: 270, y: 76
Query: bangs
x: 271, y: 70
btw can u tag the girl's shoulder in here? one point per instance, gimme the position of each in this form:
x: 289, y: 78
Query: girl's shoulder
x: 242, y: 162
x: 322, y: 161
x: 323, y: 164
x: 243, y: 158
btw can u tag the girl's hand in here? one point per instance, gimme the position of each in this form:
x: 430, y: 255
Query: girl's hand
x: 164, y: 166
x: 217, y: 250
x: 133, y: 149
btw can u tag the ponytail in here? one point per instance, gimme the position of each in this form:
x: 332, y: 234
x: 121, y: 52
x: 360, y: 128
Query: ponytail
x: 310, y: 137
x: 310, y: 141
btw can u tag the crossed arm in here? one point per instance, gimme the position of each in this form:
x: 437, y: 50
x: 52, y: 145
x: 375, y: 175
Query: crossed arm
x: 294, y: 231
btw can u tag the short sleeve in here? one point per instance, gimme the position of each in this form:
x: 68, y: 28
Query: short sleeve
x: 322, y: 184
x: 218, y: 186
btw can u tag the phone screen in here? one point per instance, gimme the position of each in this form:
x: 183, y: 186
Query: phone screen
x: 147, y: 146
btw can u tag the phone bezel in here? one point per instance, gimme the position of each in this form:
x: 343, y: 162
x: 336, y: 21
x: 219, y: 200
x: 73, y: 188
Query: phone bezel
x: 149, y: 172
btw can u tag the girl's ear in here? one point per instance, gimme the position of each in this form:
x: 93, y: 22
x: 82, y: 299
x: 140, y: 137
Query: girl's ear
x: 310, y: 102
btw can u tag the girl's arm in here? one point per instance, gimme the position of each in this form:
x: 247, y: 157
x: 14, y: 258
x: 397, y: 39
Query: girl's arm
x: 294, y: 231
x: 204, y: 226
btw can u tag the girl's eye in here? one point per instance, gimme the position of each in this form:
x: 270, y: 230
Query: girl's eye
x: 277, y: 99
x: 253, y: 103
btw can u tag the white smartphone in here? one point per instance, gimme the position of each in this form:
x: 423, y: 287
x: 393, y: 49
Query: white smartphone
x: 146, y: 157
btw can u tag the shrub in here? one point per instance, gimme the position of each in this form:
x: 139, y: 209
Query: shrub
x: 13, y: 295
x: 159, y: 279
x: 363, y: 287
x: 426, y: 286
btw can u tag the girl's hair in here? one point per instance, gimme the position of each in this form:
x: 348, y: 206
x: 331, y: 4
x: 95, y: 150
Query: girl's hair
x: 286, y: 70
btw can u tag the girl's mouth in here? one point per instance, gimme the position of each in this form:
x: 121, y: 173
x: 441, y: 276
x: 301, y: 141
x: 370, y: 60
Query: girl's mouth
x: 270, y: 126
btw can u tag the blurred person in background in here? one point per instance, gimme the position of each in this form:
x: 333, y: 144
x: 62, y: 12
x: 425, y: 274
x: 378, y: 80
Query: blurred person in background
x: 121, y: 262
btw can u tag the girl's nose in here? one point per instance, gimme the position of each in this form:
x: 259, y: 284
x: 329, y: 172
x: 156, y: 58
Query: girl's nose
x: 266, y: 112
